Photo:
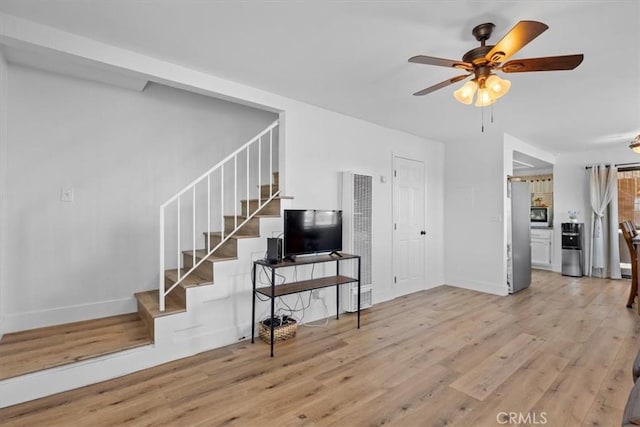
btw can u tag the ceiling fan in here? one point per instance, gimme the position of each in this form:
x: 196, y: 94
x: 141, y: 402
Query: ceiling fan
x: 482, y: 62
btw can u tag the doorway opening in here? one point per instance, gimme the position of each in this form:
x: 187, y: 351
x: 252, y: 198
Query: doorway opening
x: 539, y: 175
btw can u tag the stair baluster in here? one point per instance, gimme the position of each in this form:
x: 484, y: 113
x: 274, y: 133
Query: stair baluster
x: 225, y: 234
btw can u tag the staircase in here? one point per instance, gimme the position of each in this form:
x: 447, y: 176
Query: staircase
x: 184, y: 315
x: 227, y: 250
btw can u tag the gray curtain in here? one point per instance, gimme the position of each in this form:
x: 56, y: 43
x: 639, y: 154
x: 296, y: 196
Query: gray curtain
x: 604, y: 260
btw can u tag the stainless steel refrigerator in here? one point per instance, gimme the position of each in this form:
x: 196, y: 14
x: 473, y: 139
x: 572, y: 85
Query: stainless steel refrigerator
x: 519, y: 258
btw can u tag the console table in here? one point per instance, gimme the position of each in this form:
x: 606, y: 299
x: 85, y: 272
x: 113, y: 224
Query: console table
x: 273, y: 291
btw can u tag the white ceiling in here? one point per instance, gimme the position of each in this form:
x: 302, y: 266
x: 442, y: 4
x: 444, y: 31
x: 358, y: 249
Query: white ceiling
x: 525, y: 164
x: 351, y: 57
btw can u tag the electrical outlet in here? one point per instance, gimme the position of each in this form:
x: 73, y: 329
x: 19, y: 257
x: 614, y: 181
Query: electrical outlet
x: 317, y: 294
x: 66, y: 194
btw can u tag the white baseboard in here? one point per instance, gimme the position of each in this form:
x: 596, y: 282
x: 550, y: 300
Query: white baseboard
x: 68, y: 314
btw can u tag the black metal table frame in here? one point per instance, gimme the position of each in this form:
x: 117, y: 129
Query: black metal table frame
x: 305, y: 261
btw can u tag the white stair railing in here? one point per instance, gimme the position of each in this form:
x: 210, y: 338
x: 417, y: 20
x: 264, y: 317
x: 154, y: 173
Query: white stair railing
x: 252, y: 147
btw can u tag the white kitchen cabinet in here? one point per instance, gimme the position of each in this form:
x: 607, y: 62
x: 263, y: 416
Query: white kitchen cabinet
x: 541, y: 248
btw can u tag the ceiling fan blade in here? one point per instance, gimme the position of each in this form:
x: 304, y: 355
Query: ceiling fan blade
x: 441, y: 85
x: 518, y: 37
x: 547, y: 63
x: 441, y: 62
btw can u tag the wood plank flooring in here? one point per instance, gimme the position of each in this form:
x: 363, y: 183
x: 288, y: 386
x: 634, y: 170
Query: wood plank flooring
x: 561, y: 350
x: 43, y: 348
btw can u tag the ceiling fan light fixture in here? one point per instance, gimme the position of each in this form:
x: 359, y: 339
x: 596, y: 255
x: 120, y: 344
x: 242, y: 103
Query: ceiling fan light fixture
x: 482, y: 62
x: 466, y: 92
x: 635, y: 144
x: 497, y: 87
x: 484, y: 98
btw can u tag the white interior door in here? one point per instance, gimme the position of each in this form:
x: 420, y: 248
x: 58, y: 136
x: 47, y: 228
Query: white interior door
x: 408, y: 225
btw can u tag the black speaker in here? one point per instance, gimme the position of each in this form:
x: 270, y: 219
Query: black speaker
x: 274, y: 250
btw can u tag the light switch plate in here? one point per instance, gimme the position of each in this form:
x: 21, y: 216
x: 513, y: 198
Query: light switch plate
x: 66, y: 194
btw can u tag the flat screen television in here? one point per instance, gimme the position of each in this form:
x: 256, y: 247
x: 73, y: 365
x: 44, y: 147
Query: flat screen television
x: 311, y: 231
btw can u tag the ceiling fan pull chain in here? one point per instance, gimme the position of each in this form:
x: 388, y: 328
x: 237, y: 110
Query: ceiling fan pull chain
x: 482, y: 109
x: 491, y: 113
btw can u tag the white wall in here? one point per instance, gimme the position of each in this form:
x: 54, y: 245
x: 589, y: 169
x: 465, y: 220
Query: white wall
x: 476, y: 208
x: 571, y: 190
x: 475, y: 203
x: 3, y: 137
x: 322, y: 143
x: 315, y: 145
x: 124, y: 153
x: 474, y: 224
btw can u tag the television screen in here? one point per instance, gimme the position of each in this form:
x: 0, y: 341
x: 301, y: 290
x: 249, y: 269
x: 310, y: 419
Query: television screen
x: 312, y: 231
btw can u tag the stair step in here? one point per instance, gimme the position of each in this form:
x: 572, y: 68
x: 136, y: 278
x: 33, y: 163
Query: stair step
x: 228, y: 249
x: 203, y: 270
x: 271, y: 208
x: 264, y: 199
x: 218, y: 234
x: 193, y: 279
x: 149, y: 308
x: 260, y: 215
x: 150, y: 301
x: 201, y: 253
x: 251, y: 227
x: 52, y: 346
x: 266, y: 191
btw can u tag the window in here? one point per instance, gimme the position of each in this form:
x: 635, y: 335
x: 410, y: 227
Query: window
x: 541, y: 188
x: 629, y: 195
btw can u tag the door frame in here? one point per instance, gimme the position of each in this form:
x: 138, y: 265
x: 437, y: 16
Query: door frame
x: 394, y: 256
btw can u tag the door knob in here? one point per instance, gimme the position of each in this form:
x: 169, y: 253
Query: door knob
x: 422, y: 232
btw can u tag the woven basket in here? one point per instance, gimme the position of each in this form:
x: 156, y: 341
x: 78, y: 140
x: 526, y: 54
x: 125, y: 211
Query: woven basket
x: 282, y: 332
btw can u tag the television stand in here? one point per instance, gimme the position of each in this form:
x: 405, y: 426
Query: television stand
x: 336, y: 253
x: 274, y: 291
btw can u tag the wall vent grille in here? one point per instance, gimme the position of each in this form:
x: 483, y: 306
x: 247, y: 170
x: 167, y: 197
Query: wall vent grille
x: 356, y: 206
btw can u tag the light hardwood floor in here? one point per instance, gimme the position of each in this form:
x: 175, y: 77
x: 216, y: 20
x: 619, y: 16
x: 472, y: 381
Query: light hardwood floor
x: 42, y: 348
x: 559, y: 352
